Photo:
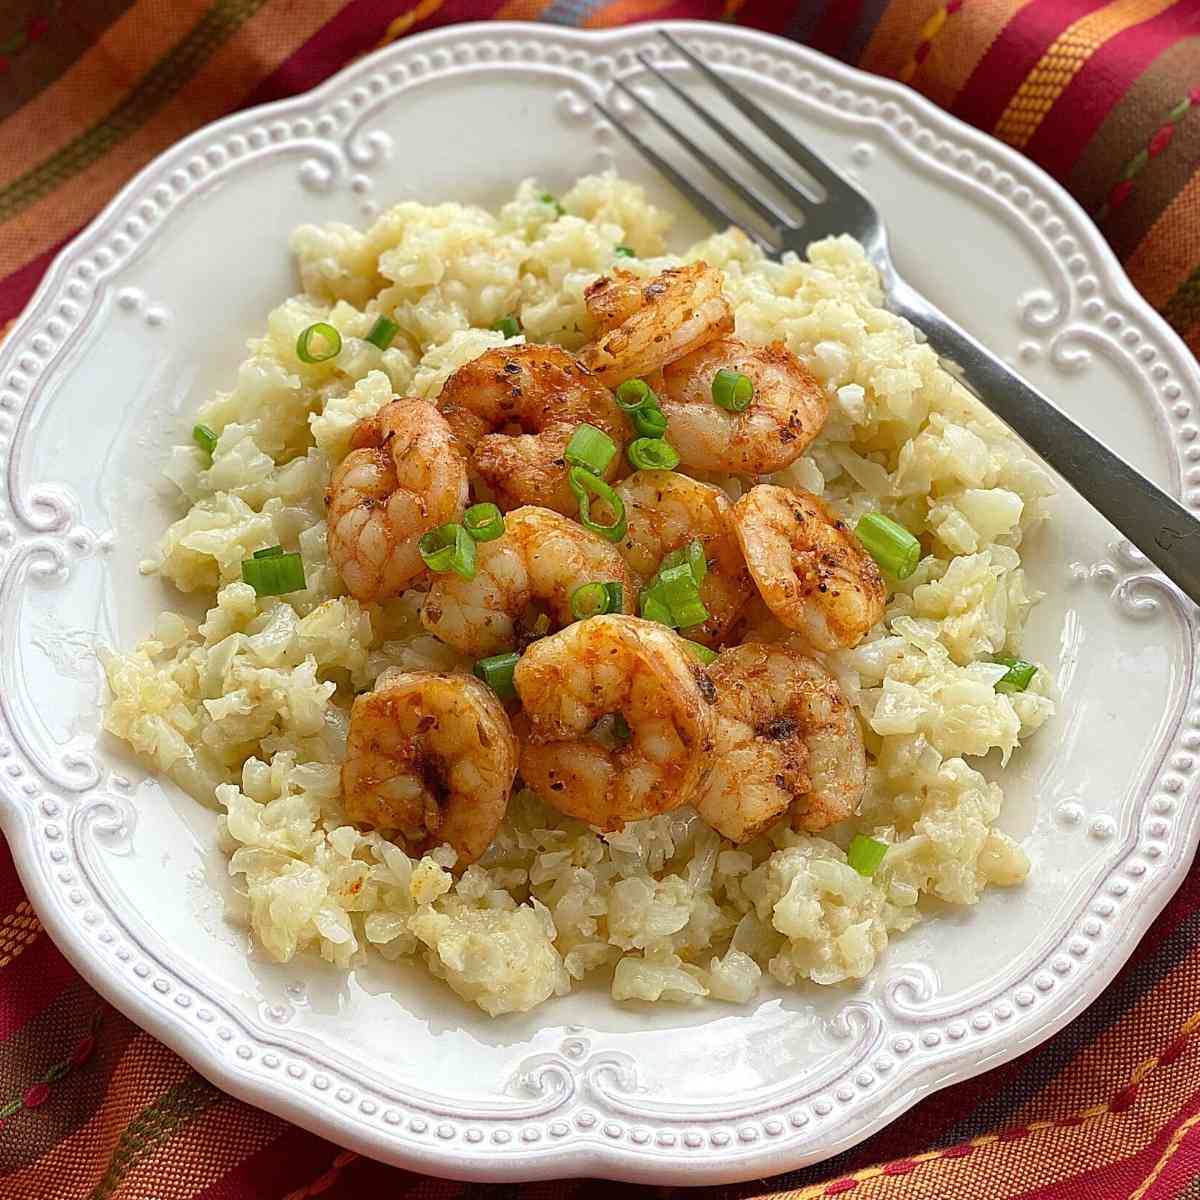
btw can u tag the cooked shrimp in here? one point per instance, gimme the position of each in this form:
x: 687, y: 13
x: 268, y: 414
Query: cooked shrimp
x: 666, y: 510
x: 515, y: 408
x: 430, y: 759
x: 527, y: 574
x: 811, y: 571
x: 571, y: 682
x: 786, y: 411
x: 643, y: 324
x: 786, y: 738
x: 404, y: 475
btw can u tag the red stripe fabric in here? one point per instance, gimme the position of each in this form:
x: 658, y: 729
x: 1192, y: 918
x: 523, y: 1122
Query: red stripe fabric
x: 1013, y: 55
x: 1090, y: 96
x: 17, y: 288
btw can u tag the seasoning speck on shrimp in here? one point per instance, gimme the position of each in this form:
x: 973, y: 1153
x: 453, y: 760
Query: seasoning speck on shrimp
x: 787, y: 408
x: 528, y: 573
x: 641, y: 325
x: 515, y: 408
x: 786, y: 740
x: 666, y: 510
x: 404, y: 476
x: 810, y: 569
x: 430, y: 760
x: 575, y: 682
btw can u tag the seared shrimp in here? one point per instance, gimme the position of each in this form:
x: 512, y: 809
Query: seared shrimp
x: 810, y: 569
x: 786, y: 738
x: 430, y: 759
x: 515, y: 408
x: 786, y: 411
x: 643, y: 324
x: 571, y: 682
x: 526, y: 575
x: 666, y: 510
x: 403, y: 476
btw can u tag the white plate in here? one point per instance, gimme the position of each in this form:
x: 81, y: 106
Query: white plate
x: 147, y: 312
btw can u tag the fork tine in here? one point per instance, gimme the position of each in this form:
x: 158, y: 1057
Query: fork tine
x: 763, y: 120
x: 715, y: 212
x: 760, y: 204
x: 789, y: 187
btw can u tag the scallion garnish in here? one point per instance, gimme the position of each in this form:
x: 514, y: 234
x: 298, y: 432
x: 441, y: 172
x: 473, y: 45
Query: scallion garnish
x: 547, y: 198
x: 1020, y: 673
x: 625, y: 252
x: 274, y: 574
x: 449, y: 548
x: 509, y: 326
x: 590, y: 448
x: 382, y: 332
x: 703, y: 653
x: 484, y: 522
x: 650, y: 422
x: 634, y: 394
x: 676, y: 587
x: 596, y: 599
x: 889, y: 544
x: 324, y: 332
x: 731, y: 390
x: 865, y: 853
x: 588, y: 600
x: 621, y: 730
x: 653, y: 609
x: 652, y: 454
x: 692, y: 553
x: 204, y: 438
x: 269, y: 552
x: 497, y: 672
x: 585, y: 485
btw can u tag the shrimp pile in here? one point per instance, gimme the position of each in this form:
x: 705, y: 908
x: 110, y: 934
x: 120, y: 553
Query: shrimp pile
x: 609, y: 717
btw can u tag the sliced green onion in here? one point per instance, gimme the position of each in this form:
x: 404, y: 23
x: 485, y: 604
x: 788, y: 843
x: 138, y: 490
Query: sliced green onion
x: 596, y: 599
x: 703, y: 653
x: 497, y: 672
x: 589, y: 600
x: 731, y: 390
x: 547, y: 198
x: 653, y: 609
x: 269, y: 552
x: 692, y: 554
x: 650, y: 422
x: 382, y: 332
x: 634, y: 394
x: 274, y: 574
x: 585, y: 485
x: 625, y: 252
x: 889, y: 544
x: 590, y: 448
x: 621, y: 730
x: 676, y: 587
x: 449, y: 548
x: 484, y: 522
x: 865, y: 853
x: 509, y: 326
x: 652, y: 454
x: 204, y: 438
x: 1020, y: 673
x: 326, y: 333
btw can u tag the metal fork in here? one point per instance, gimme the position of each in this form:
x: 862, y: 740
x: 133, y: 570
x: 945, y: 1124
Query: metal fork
x: 1152, y: 520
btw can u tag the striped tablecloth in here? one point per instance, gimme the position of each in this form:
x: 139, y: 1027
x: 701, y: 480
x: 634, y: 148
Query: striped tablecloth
x: 1105, y: 94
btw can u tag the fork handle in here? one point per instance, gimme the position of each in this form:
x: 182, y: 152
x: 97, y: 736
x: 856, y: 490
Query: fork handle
x: 1157, y: 524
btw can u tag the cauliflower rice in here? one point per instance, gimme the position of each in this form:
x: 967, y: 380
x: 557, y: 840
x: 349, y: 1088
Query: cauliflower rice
x: 250, y: 706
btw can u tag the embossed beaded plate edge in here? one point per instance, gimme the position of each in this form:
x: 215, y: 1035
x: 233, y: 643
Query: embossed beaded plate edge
x: 584, y: 1117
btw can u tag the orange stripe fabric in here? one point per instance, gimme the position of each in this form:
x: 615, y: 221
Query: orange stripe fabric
x: 1065, y: 58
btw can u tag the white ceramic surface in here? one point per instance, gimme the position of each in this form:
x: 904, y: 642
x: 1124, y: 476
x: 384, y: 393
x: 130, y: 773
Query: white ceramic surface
x: 148, y: 311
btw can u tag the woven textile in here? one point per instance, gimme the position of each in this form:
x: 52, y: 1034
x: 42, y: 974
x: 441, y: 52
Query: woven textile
x: 1105, y: 94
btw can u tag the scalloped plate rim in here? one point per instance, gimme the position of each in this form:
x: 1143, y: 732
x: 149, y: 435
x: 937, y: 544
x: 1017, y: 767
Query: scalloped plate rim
x: 648, y: 1164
